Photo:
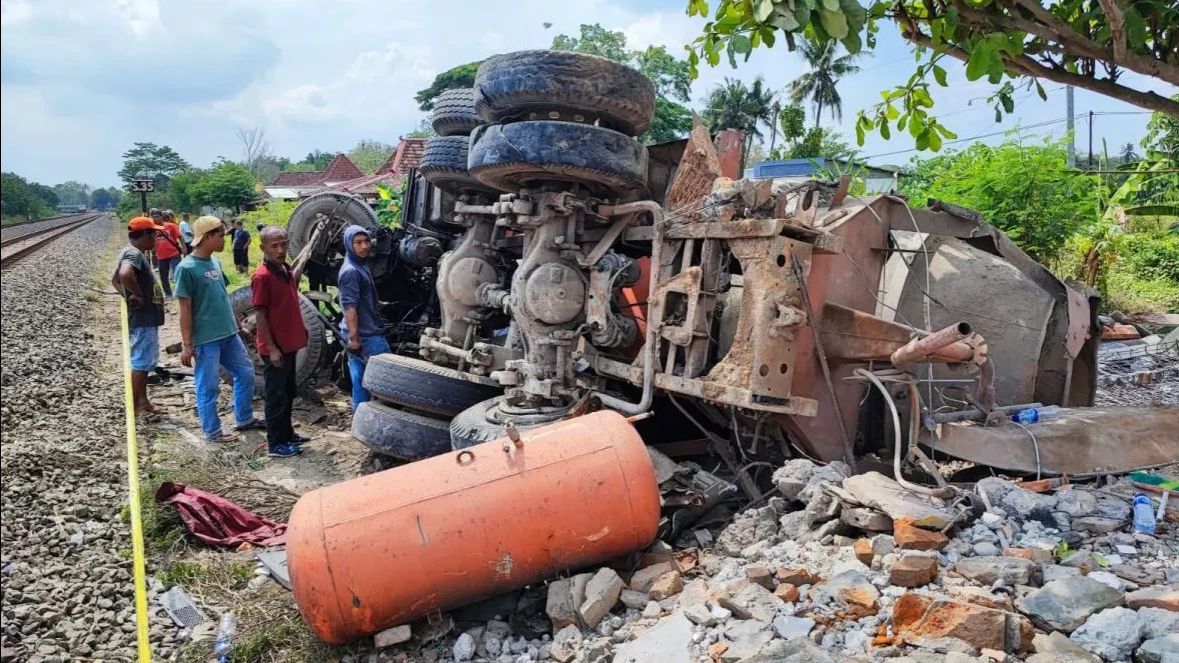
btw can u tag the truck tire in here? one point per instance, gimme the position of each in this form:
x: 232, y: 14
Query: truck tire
x: 454, y: 112
x: 344, y: 209
x: 484, y: 421
x: 306, y: 360
x: 419, y: 385
x: 399, y: 433
x: 444, y: 164
x: 509, y: 157
x: 565, y: 85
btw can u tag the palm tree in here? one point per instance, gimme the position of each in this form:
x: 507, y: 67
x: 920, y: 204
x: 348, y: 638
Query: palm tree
x: 1128, y: 154
x: 733, y: 105
x: 819, y: 83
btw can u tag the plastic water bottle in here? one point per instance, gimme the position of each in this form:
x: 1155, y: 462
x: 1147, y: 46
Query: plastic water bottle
x: 1034, y: 415
x: 1143, y: 515
x: 228, y: 627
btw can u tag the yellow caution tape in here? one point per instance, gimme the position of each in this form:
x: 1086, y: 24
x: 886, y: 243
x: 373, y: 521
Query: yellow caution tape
x: 137, y: 552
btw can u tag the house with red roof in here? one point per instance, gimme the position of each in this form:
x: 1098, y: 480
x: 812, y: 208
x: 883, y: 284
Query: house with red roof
x: 294, y: 185
x: 392, y: 173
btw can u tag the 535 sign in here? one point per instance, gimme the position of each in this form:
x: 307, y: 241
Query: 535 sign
x: 143, y: 186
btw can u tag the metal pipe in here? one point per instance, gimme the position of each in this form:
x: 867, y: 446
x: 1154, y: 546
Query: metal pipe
x: 650, y: 349
x: 896, y: 427
x: 944, y: 344
x: 977, y: 415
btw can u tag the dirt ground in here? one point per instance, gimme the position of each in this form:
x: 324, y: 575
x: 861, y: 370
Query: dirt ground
x: 269, y: 627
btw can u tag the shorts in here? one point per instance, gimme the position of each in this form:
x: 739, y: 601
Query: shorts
x: 145, y: 348
x: 241, y: 257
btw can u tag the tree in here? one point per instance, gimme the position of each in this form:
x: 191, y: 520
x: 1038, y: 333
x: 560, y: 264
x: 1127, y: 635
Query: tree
x: 18, y: 198
x: 819, y: 84
x: 595, y: 40
x: 46, y: 194
x: 1084, y: 43
x: 1128, y: 154
x: 159, y: 161
x: 105, y: 199
x: 457, y: 77
x: 816, y: 143
x: 733, y: 105
x: 226, y: 184
x: 182, y: 190
x: 670, y: 77
x: 72, y: 193
x: 424, y: 130
x: 1162, y: 137
x: 256, y: 154
x: 368, y: 155
x: 1027, y: 191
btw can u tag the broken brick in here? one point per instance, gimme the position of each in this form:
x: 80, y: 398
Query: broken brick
x: 760, y: 574
x: 786, y: 592
x: 797, y: 576
x: 918, y: 618
x: 913, y: 571
x: 910, y: 537
x: 667, y: 585
x: 1034, y: 554
x: 863, y: 551
x: 641, y: 580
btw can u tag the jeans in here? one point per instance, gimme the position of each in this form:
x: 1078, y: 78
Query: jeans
x: 280, y: 385
x: 229, y: 352
x: 145, y: 348
x: 165, y: 265
x: 369, y: 346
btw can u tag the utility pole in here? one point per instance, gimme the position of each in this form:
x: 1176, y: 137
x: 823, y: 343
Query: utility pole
x: 1089, y: 166
x: 1072, y: 139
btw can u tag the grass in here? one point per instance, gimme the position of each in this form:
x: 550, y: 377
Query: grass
x: 196, y: 575
x: 1131, y: 294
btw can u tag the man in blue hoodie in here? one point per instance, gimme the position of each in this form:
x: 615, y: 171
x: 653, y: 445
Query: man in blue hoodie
x: 362, y: 328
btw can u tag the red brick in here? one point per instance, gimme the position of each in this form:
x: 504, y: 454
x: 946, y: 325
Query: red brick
x: 910, y: 537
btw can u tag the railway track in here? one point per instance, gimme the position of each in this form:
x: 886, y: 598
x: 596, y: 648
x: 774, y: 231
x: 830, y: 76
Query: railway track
x: 19, y: 241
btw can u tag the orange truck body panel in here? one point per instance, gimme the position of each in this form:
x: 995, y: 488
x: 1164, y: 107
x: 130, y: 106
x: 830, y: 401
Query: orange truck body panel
x: 391, y: 547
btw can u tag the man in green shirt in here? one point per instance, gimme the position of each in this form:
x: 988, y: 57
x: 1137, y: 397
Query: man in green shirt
x: 208, y: 330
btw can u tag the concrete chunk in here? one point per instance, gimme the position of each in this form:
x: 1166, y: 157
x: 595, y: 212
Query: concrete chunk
x: 1163, y: 649
x: 752, y: 601
x: 1063, y: 605
x: 601, y: 595
x: 666, y: 642
x: 559, y: 607
x: 1154, y: 597
x: 1112, y: 634
x: 392, y: 636
x: 642, y: 579
x: 986, y: 570
x: 878, y: 491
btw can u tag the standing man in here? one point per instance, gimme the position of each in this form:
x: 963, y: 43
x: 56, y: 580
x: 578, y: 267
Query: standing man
x: 135, y: 279
x: 361, y: 328
x: 168, y: 250
x: 281, y: 334
x: 186, y: 232
x: 208, y: 330
x: 241, y: 247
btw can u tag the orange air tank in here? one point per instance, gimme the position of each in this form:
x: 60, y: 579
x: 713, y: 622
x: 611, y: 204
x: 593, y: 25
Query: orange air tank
x: 391, y: 547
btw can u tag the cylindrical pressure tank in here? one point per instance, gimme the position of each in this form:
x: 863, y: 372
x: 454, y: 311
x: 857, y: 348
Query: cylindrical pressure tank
x: 391, y: 547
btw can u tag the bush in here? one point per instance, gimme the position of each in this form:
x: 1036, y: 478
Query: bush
x: 273, y: 213
x: 1151, y: 256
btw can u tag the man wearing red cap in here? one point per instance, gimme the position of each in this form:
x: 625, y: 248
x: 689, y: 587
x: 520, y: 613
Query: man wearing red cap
x: 136, y: 280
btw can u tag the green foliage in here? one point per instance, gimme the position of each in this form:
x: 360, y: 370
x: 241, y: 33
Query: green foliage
x: 159, y: 161
x: 792, y: 122
x: 819, y: 85
x: 1152, y: 256
x: 672, y: 121
x: 315, y: 160
x: 1129, y: 293
x: 226, y: 184
x: 272, y: 213
x: 1025, y: 190
x: 388, y: 205
x: 670, y: 76
x: 128, y: 205
x: 1010, y: 44
x: 181, y: 195
x: 817, y: 142
x: 1162, y: 137
x: 595, y: 40
x: 458, y: 77
x: 425, y: 130
x: 733, y: 105
x: 21, y: 198
x: 104, y: 199
x: 72, y: 193
x: 368, y: 155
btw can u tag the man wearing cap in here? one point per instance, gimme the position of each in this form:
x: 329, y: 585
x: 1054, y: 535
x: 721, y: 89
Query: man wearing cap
x: 362, y: 328
x: 208, y: 331
x: 134, y: 278
x: 168, y: 249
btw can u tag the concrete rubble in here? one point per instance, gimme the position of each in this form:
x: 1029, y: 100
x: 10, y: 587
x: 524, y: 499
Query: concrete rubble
x: 1015, y: 579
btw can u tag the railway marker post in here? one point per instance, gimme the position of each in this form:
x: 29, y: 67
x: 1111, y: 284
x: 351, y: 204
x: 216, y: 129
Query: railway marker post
x: 143, y: 186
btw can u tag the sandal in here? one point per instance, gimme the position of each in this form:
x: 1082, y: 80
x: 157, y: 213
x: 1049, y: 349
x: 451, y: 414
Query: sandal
x: 223, y: 437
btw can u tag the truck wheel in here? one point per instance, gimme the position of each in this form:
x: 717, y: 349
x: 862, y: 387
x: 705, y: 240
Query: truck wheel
x: 454, y: 113
x: 306, y: 360
x: 485, y: 421
x: 509, y: 157
x: 420, y: 385
x: 399, y: 433
x: 564, y: 85
x: 444, y: 164
x: 342, y: 209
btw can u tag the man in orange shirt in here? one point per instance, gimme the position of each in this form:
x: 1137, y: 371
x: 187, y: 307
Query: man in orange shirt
x: 169, y: 249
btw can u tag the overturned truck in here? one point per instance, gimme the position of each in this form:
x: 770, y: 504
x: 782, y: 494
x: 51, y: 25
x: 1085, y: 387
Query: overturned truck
x: 582, y: 272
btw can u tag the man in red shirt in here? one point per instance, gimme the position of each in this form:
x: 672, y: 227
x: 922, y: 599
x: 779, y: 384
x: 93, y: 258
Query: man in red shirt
x: 281, y: 334
x: 169, y: 248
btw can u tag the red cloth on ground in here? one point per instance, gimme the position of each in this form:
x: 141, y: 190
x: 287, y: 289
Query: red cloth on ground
x: 217, y: 521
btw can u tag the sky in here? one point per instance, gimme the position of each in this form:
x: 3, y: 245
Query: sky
x: 80, y: 81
